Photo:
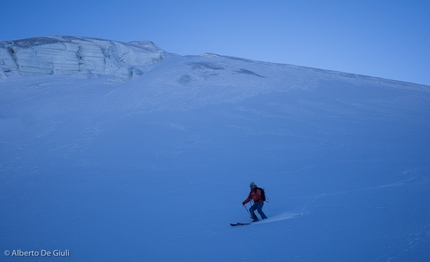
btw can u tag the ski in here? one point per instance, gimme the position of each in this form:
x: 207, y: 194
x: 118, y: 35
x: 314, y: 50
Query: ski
x: 239, y: 224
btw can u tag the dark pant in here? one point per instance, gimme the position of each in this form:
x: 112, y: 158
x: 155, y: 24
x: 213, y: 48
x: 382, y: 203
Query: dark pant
x: 259, y: 207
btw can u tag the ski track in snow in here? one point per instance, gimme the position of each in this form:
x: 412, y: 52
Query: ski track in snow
x: 393, y: 184
x: 277, y: 218
x: 280, y: 217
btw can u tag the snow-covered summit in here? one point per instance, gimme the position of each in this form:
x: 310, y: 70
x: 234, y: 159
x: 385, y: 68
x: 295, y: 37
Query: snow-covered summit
x: 68, y: 55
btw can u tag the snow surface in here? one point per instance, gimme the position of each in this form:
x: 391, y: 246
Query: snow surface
x: 156, y: 167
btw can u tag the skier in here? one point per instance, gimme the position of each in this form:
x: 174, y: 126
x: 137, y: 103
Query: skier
x: 255, y: 195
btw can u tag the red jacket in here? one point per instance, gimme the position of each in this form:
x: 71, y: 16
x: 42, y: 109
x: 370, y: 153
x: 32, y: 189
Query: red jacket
x: 255, y: 195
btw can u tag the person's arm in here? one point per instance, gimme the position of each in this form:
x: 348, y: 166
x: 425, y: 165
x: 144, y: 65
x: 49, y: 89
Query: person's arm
x: 247, y: 199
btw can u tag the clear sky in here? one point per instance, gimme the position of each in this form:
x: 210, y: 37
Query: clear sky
x: 383, y: 38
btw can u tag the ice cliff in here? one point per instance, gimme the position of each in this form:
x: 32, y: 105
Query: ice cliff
x: 66, y: 55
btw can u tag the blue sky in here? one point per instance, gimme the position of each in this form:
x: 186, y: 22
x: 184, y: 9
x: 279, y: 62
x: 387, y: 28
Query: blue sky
x: 389, y: 39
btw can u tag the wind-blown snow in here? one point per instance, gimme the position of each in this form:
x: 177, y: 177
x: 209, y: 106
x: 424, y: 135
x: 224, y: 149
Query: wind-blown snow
x: 155, y: 168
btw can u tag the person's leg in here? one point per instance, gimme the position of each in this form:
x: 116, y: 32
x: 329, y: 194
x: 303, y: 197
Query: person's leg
x: 253, y: 215
x: 260, y: 210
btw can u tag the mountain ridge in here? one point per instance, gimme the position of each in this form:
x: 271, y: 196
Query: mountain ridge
x: 90, y: 56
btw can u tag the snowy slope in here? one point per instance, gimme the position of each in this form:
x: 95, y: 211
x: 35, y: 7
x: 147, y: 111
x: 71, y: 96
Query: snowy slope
x: 156, y: 167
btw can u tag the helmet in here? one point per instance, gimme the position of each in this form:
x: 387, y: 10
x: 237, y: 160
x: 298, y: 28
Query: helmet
x: 252, y: 185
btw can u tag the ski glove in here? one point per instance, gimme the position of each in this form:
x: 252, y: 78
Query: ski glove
x: 243, y: 203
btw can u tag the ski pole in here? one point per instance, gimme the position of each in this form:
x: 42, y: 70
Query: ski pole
x: 246, y: 209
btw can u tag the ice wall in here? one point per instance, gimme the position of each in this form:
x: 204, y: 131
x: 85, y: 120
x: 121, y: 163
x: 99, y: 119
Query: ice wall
x: 65, y: 55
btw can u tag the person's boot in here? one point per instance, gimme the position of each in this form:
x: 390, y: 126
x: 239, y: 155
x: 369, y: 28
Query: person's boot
x: 254, y: 218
